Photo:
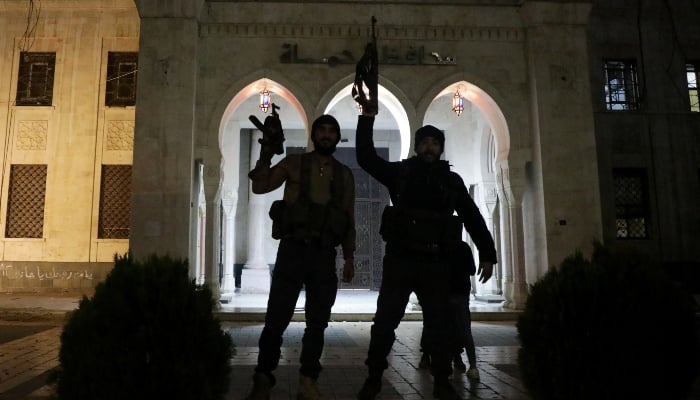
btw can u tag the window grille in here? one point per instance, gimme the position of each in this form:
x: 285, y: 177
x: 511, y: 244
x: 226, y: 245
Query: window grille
x: 115, y: 197
x: 631, y: 207
x: 25, y: 201
x: 621, y: 85
x: 35, y: 80
x: 692, y: 76
x: 122, y: 68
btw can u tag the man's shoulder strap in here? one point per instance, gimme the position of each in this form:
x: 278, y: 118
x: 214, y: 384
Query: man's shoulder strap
x: 305, y: 177
x: 337, y: 185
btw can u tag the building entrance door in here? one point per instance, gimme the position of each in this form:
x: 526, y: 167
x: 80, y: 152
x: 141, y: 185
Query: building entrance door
x: 370, y: 199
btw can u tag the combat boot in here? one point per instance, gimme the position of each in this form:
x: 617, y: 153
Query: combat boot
x: 370, y: 389
x: 473, y: 374
x: 262, y: 384
x: 458, y: 363
x: 424, y: 361
x: 443, y: 390
x: 308, y: 389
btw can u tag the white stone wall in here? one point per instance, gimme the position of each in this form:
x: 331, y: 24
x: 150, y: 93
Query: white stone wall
x: 73, y: 137
x: 521, y: 66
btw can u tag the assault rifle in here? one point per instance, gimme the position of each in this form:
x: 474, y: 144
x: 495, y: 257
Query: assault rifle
x: 273, y: 135
x: 364, y: 89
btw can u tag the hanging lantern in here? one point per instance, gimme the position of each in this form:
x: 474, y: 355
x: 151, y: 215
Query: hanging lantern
x: 265, y: 100
x: 458, y: 103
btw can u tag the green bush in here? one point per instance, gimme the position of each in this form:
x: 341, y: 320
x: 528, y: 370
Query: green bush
x: 613, y: 327
x: 147, y: 333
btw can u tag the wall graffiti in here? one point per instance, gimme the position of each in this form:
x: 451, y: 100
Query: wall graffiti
x: 37, y: 272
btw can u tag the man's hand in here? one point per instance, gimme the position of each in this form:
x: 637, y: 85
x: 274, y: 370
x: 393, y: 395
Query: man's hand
x: 348, y: 270
x: 485, y: 271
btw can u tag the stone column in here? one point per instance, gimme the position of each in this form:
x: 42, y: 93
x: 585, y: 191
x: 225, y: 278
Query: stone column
x: 162, y: 204
x: 256, y: 272
x: 506, y: 259
x: 229, y: 241
x: 200, y: 241
x: 564, y: 170
x: 515, y: 280
x: 487, y: 200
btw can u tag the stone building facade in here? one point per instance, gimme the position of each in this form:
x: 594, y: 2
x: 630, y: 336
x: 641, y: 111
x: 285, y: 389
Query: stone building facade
x: 540, y: 141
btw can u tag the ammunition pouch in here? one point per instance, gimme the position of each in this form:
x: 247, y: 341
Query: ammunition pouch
x: 419, y: 229
x: 308, y: 221
x: 461, y: 258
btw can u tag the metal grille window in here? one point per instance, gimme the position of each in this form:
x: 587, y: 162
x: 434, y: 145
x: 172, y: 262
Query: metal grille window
x: 631, y: 208
x: 35, y: 80
x: 691, y: 71
x: 115, y: 195
x: 121, y: 79
x: 25, y: 201
x: 621, y: 85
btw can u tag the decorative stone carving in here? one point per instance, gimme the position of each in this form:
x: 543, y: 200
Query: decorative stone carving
x: 353, y: 31
x: 120, y: 135
x: 31, y: 135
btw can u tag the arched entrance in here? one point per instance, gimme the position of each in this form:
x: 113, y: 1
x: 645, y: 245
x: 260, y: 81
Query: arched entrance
x: 479, y: 145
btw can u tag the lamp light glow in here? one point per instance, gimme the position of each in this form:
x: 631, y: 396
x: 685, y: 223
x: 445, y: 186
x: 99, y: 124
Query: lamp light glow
x: 265, y: 100
x: 458, y: 103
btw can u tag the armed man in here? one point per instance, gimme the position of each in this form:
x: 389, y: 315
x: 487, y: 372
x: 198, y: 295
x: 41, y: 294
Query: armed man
x: 315, y: 215
x: 422, y: 237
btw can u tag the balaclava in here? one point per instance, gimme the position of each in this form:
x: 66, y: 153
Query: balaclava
x: 431, y: 131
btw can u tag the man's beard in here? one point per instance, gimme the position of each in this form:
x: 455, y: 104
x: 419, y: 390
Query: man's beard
x: 326, y: 151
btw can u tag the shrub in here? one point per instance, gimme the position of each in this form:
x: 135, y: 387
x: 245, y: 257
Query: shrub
x: 613, y: 327
x: 147, y: 333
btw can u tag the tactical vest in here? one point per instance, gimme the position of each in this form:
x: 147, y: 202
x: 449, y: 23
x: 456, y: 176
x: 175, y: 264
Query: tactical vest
x: 420, y: 230
x: 305, y: 220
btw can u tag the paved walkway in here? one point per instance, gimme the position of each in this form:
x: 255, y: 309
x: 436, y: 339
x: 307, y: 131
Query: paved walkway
x: 30, y: 353
x: 345, y: 351
x: 26, y: 363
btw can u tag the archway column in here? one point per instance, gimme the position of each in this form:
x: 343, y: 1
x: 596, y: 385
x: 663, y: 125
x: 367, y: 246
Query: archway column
x: 228, y: 284
x: 256, y: 272
x: 514, y: 281
x: 487, y: 201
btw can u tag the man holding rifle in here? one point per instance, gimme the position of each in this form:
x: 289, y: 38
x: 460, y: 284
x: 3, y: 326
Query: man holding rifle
x: 422, y: 237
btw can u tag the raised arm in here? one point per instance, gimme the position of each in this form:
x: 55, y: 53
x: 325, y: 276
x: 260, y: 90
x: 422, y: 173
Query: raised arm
x: 265, y: 178
x: 367, y: 157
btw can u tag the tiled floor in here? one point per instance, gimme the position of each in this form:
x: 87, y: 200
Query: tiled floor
x: 345, y: 351
x: 25, y: 363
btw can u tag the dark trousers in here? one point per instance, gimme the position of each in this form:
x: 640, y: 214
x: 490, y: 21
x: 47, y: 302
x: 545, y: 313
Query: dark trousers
x: 299, y: 264
x: 462, y: 320
x: 460, y: 327
x: 429, y: 279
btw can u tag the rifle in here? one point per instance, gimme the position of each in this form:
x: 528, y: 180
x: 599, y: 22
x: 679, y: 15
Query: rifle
x: 367, y: 76
x: 273, y: 135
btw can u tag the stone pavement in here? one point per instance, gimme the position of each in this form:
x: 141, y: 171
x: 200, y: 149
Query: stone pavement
x: 345, y: 351
x: 28, y: 358
x: 27, y: 362
x: 30, y: 329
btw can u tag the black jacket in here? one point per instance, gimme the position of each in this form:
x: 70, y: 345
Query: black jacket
x: 427, y: 186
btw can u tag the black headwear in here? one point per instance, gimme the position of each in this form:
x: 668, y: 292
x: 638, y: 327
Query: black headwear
x: 326, y: 119
x: 431, y: 131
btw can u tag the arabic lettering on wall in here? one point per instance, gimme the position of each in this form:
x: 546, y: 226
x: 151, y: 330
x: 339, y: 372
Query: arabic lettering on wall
x: 391, y: 55
x: 26, y: 272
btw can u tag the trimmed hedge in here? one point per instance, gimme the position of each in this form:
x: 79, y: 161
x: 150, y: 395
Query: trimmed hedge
x: 147, y: 333
x: 613, y: 327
